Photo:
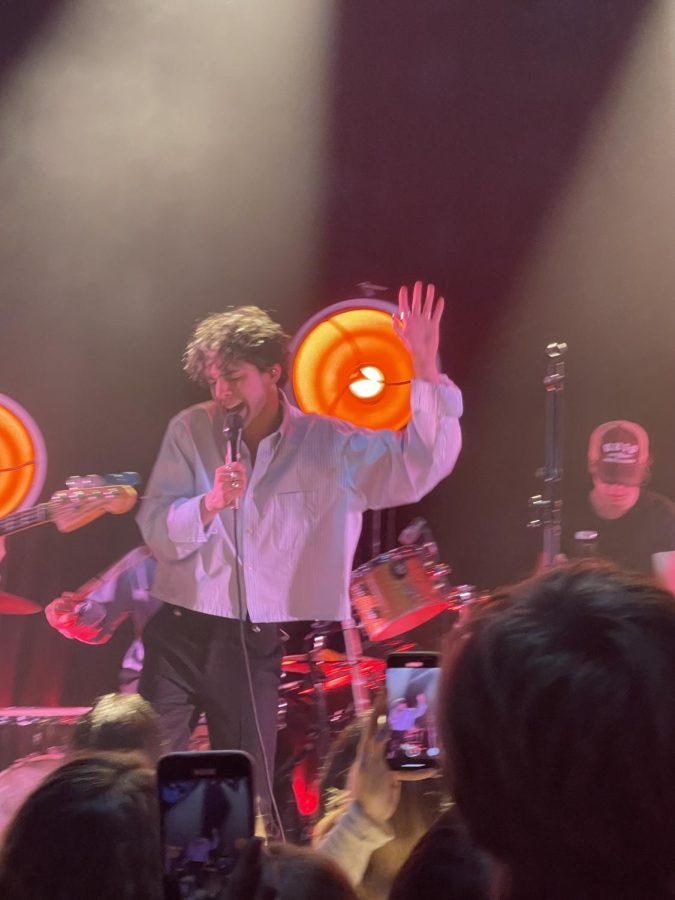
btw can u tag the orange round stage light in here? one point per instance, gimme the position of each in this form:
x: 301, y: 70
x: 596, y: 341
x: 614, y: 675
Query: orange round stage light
x: 23, y: 457
x: 349, y: 363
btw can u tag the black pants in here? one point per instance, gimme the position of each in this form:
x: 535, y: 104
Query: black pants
x: 194, y: 664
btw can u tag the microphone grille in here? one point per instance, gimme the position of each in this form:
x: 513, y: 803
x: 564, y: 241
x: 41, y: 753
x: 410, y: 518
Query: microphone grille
x: 233, y: 423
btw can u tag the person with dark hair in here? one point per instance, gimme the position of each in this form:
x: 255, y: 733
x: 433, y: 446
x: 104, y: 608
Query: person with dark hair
x: 244, y: 545
x: 299, y: 873
x: 559, y: 728
x: 285, y: 872
x: 445, y: 864
x: 619, y: 520
x: 90, y: 830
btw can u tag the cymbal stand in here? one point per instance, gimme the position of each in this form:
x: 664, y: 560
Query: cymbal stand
x: 354, y: 654
x: 548, y: 505
x: 318, y: 633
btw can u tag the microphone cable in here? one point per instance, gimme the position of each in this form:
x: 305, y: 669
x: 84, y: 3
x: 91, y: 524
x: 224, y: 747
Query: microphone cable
x: 249, y: 678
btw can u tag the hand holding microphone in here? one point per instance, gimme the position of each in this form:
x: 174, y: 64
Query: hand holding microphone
x: 229, y: 484
x: 229, y: 481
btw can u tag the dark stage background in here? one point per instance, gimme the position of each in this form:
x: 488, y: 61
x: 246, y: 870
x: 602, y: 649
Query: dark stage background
x: 161, y: 159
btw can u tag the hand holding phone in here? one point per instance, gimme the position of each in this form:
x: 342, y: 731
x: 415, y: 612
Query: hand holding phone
x: 374, y: 785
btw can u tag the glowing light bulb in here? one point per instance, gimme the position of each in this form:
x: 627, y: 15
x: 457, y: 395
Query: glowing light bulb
x: 368, y: 383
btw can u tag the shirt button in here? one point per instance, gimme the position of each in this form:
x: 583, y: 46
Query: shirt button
x: 249, y: 532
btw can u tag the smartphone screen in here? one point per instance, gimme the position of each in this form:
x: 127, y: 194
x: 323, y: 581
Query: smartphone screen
x: 412, y: 688
x: 206, y: 805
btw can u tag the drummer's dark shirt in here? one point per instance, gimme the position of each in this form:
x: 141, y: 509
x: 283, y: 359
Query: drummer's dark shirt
x: 629, y: 541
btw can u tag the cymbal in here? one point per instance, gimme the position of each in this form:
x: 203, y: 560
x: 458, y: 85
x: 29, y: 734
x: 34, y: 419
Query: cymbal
x: 334, y: 672
x: 295, y: 662
x: 326, y: 655
x: 11, y: 605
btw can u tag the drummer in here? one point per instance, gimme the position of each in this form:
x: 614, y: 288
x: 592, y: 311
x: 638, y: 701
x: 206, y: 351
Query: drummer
x: 619, y: 520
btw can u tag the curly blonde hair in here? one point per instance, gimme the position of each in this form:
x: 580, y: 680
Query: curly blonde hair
x: 240, y: 334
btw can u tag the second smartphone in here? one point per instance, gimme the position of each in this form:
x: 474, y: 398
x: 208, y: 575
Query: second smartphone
x: 412, y: 686
x: 206, y: 805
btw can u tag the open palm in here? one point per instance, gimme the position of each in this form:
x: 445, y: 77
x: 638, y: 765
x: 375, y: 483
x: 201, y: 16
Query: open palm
x: 418, y: 324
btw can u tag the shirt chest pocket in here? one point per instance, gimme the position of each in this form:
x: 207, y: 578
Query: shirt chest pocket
x: 294, y: 515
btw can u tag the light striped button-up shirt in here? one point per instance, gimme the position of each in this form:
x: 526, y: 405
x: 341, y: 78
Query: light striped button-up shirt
x: 300, y: 518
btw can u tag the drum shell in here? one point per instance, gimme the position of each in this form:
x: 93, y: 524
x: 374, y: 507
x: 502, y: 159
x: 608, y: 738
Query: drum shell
x: 398, y: 591
x: 25, y: 730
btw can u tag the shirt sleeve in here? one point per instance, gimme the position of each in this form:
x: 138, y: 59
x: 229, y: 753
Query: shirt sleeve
x: 352, y: 841
x: 388, y: 468
x: 170, y: 516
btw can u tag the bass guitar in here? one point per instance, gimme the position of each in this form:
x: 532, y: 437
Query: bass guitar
x: 72, y: 508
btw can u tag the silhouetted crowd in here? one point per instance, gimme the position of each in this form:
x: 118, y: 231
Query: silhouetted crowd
x: 557, y: 779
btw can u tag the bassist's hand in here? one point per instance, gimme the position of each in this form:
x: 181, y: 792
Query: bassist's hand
x: 61, y: 613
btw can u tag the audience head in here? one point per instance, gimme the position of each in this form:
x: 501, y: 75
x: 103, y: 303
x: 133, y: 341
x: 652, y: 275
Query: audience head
x: 297, y: 873
x: 559, y: 726
x: 444, y: 865
x: 119, y: 722
x: 90, y: 830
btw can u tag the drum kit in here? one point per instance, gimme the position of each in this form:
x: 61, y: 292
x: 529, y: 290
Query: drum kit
x: 391, y: 596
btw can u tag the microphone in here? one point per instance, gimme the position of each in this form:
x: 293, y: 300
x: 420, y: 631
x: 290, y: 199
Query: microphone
x: 232, y: 431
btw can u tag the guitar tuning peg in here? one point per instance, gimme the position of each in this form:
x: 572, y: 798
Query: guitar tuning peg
x: 132, y: 479
x: 82, y: 481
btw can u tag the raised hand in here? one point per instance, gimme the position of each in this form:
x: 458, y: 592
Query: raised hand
x: 418, y: 326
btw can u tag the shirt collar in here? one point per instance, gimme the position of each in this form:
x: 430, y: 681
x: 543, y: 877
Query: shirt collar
x: 286, y: 416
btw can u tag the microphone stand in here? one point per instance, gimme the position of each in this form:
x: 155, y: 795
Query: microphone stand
x: 549, y: 504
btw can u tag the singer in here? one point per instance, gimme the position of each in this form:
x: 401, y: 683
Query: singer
x: 227, y: 575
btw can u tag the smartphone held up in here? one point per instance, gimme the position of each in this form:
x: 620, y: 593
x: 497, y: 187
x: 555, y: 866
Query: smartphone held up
x: 411, y: 693
x: 206, y: 806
